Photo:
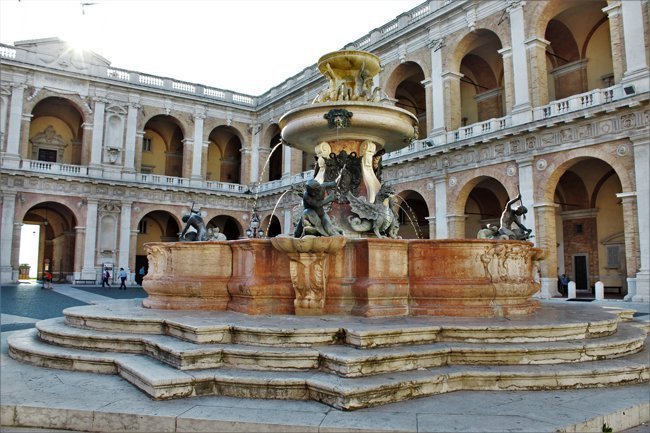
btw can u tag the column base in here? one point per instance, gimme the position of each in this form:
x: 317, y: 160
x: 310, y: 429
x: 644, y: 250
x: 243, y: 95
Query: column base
x: 7, y: 275
x: 521, y: 114
x: 642, y: 289
x: 88, y: 274
x: 10, y: 160
x: 548, y: 289
x: 638, y: 78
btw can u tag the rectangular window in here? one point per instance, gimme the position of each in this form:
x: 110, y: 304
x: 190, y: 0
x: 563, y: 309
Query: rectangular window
x: 146, y: 144
x: 142, y: 227
x: 579, y: 229
x: 613, y: 258
x: 47, y: 155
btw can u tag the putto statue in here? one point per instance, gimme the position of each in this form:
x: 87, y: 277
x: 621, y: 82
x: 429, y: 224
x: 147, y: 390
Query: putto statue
x: 511, y: 216
x: 314, y: 220
x: 380, y: 217
x: 214, y: 234
x: 194, y: 221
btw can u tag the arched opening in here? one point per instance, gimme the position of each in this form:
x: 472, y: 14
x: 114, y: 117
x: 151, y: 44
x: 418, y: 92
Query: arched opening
x: 271, y: 226
x: 224, y: 155
x: 484, y: 205
x: 155, y: 226
x: 162, y: 147
x: 56, y: 133
x: 406, y: 80
x: 590, y: 227
x: 480, y: 86
x: 579, y: 56
x: 276, y: 157
x: 413, y: 213
x: 227, y: 225
x: 47, y: 241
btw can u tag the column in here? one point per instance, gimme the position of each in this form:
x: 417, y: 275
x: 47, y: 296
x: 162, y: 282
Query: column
x: 133, y: 244
x: 125, y: 237
x: 641, y: 164
x: 286, y: 161
x: 436, y: 89
x: 613, y: 12
x: 521, y: 111
x: 636, y: 64
x: 456, y: 225
x: 197, y: 150
x: 80, y: 234
x: 11, y: 158
x: 428, y: 94
x: 527, y: 189
x: 187, y: 164
x: 6, y: 236
x: 440, y: 191
x: 287, y: 226
x: 536, y: 49
x: 98, y: 132
x: 452, y: 106
x: 255, y: 129
x: 139, y: 136
x: 88, y: 271
x: 431, y: 220
x: 129, y: 146
x: 546, y: 239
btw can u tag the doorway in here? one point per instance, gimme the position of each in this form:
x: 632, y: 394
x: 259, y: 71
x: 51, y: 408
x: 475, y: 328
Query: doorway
x: 580, y: 270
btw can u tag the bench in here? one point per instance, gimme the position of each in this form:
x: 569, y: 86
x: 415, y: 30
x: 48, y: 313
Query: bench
x: 84, y: 282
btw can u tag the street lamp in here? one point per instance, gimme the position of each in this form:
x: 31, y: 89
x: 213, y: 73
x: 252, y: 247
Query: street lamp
x: 254, y: 231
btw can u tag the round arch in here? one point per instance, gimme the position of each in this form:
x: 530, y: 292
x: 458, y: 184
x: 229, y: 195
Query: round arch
x: 413, y: 212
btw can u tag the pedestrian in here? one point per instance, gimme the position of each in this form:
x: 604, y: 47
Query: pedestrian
x: 122, y: 276
x: 564, y: 284
x: 47, y: 284
x: 142, y: 272
x: 106, y: 276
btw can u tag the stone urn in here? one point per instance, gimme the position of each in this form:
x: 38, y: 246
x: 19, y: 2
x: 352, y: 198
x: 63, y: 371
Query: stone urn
x: 309, y: 265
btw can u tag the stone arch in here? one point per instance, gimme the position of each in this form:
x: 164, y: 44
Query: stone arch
x: 228, y: 225
x: 82, y: 105
x: 148, y: 113
x: 271, y: 226
x: 57, y: 221
x: 230, y: 143
x: 168, y: 153
x: 413, y: 213
x: 404, y: 84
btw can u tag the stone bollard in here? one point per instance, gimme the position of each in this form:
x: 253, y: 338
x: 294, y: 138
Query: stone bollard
x: 600, y: 291
x: 572, y: 290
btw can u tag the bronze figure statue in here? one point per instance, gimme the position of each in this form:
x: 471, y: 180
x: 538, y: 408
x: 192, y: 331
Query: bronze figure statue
x: 314, y: 220
x: 511, y: 216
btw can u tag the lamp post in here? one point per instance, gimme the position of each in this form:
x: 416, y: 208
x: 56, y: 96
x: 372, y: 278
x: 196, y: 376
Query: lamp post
x: 254, y: 231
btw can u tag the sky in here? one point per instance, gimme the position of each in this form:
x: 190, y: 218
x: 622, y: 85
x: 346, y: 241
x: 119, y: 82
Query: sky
x: 247, y: 46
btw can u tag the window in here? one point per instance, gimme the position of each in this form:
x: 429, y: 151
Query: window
x: 146, y: 144
x: 142, y: 226
x: 47, y: 155
x: 613, y: 257
x: 579, y: 229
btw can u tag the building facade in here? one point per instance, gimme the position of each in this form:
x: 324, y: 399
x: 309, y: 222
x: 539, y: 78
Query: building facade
x: 549, y: 99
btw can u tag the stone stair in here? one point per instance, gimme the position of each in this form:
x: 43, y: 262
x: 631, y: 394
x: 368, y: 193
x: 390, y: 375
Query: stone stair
x: 346, y: 362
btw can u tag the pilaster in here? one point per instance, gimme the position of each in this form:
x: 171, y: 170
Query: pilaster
x: 636, y: 63
x: 88, y: 271
x: 130, y: 142
x: 536, y: 50
x: 80, y: 234
x: 641, y: 164
x: 97, y: 132
x: 440, y: 191
x: 546, y: 239
x: 527, y: 189
x: 255, y: 130
x: 11, y: 158
x: 456, y: 225
x: 7, y: 236
x: 197, y: 149
x: 125, y: 237
x: 521, y: 109
x: 452, y: 107
x: 436, y: 89
x: 616, y: 39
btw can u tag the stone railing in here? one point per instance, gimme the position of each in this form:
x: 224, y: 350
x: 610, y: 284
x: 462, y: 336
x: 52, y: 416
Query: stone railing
x: 579, y: 102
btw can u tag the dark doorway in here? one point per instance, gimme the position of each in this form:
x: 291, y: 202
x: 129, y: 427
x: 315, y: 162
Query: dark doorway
x: 580, y: 267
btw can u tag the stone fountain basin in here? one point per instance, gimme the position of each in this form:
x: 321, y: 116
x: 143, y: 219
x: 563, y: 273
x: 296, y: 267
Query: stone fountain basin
x: 309, y: 244
x: 389, y: 127
x: 366, y: 277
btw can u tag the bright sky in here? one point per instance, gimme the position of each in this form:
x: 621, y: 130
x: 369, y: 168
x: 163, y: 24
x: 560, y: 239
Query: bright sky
x: 246, y: 46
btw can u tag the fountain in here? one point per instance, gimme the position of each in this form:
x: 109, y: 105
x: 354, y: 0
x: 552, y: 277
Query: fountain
x: 370, y: 272
x: 285, y: 318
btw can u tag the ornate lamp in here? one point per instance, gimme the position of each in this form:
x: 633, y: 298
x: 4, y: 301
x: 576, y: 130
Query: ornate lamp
x: 254, y: 231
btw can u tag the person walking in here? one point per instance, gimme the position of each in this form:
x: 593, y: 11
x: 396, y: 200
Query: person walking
x: 106, y: 276
x: 47, y: 284
x: 141, y: 273
x: 122, y: 276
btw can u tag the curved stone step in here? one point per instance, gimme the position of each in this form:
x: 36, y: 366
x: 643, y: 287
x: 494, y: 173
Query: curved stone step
x: 343, y: 360
x: 549, y: 323
x: 164, y: 382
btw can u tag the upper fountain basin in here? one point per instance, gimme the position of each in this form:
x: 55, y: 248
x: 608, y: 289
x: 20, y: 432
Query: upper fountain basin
x: 347, y: 63
x: 390, y: 127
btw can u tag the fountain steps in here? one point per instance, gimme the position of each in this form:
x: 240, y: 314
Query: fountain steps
x: 347, y: 363
x: 162, y: 381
